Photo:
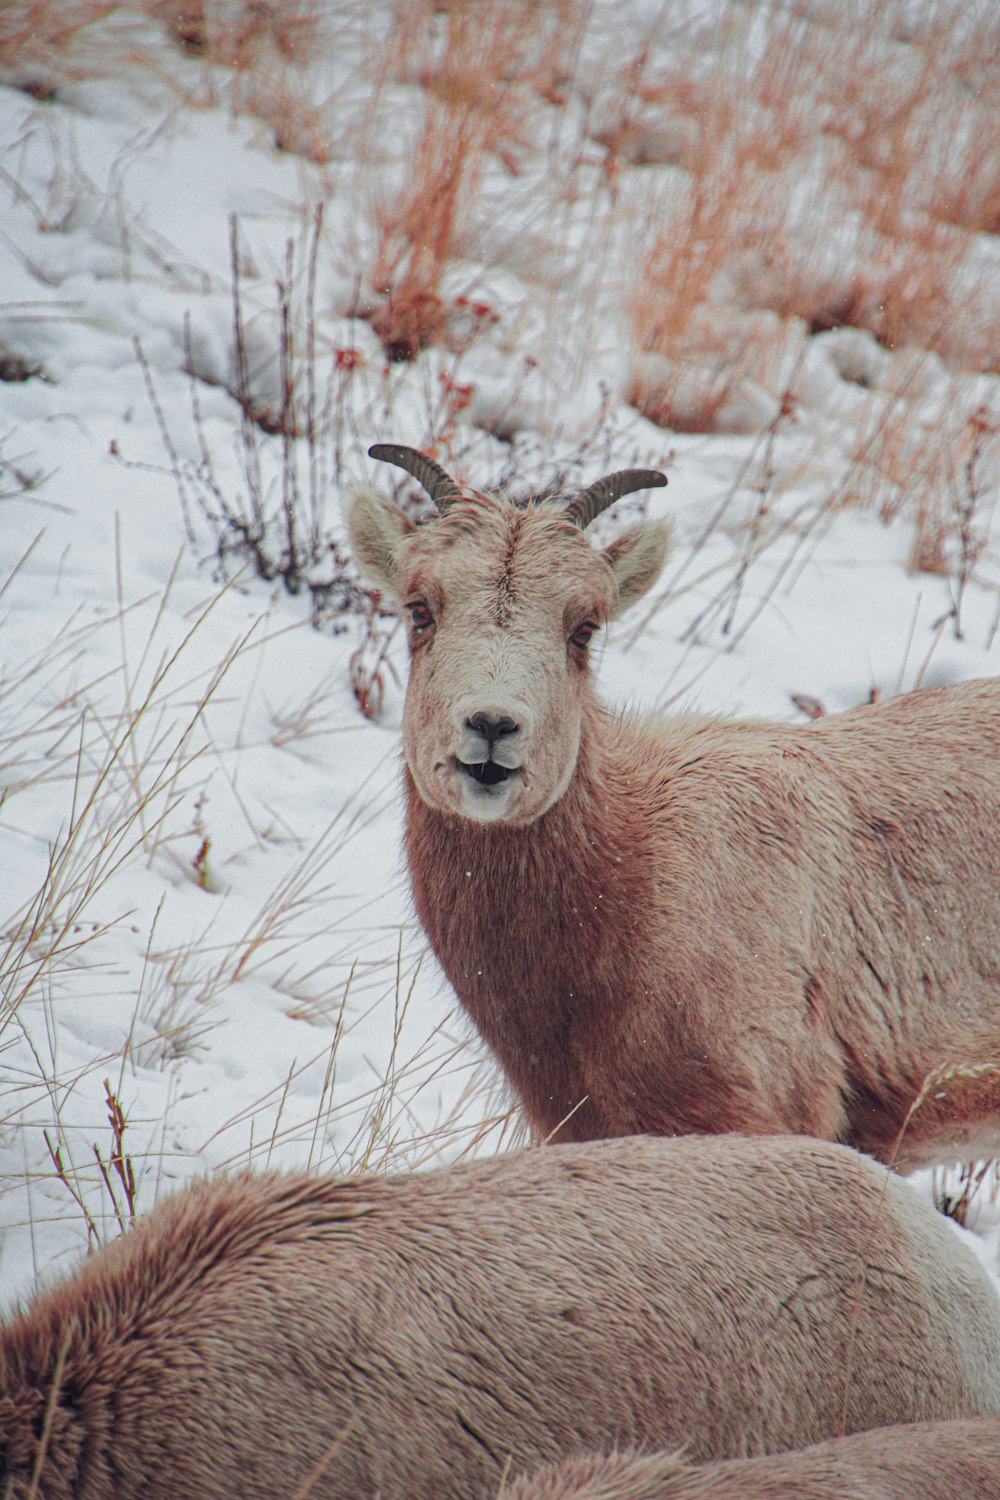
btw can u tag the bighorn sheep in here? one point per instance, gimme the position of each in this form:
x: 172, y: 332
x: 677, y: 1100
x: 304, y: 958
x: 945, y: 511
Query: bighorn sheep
x: 408, y: 1336
x: 686, y: 924
x: 925, y: 1461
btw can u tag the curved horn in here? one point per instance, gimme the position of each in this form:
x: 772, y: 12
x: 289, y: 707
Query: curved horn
x: 439, y: 485
x: 597, y: 497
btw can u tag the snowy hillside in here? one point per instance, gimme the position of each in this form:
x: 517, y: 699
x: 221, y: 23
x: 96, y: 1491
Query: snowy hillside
x: 757, y: 247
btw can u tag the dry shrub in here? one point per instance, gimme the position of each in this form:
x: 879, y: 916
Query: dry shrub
x: 293, y: 405
x: 417, y: 237
x: 902, y: 289
x: 724, y: 372
x: 39, y: 32
x: 297, y: 123
x: 478, y: 85
x: 935, y: 467
x: 728, y: 214
x: 267, y: 46
x: 912, y: 173
x: 241, y: 33
x: 495, y: 54
x: 705, y: 346
x: 834, y: 174
x: 913, y: 100
x: 970, y: 197
x: 837, y: 161
x: 967, y: 192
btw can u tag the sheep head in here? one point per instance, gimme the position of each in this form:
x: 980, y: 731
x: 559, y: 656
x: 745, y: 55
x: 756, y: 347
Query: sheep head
x: 501, y: 601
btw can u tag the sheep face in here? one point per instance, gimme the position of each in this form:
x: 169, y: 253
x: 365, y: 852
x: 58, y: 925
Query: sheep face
x: 500, y: 603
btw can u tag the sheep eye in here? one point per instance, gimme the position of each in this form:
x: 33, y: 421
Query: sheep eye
x: 420, y: 615
x: 582, y: 634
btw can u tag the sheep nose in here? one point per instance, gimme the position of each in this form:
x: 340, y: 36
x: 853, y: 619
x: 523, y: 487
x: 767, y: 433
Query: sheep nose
x: 492, y: 728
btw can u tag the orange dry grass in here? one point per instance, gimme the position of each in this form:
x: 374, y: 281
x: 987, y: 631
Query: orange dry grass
x: 496, y: 52
x: 890, y: 141
x: 36, y: 31
x: 267, y: 45
x: 298, y: 124
x: 235, y: 37
x: 418, y: 236
x: 912, y: 173
x: 937, y: 468
x: 727, y: 223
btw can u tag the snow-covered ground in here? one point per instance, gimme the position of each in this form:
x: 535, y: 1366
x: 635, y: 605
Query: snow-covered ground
x: 203, y: 908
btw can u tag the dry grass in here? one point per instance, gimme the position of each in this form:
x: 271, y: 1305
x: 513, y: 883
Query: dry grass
x: 478, y: 86
x: 820, y: 132
x: 418, y: 234
x: 293, y: 447
x: 825, y: 174
x: 241, y: 34
x: 265, y: 47
x: 934, y: 461
x: 44, y: 32
x: 962, y: 1195
x: 123, y: 772
x: 255, y: 55
x: 123, y: 787
x: 126, y: 751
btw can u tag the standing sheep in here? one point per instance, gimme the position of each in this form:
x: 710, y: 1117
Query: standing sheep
x: 925, y: 1461
x: 685, y: 924
x: 419, y: 1337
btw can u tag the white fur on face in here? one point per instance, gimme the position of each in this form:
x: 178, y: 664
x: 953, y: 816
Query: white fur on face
x: 493, y: 595
x: 506, y: 590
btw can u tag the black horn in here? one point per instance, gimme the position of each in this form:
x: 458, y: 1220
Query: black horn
x: 597, y: 497
x: 439, y: 485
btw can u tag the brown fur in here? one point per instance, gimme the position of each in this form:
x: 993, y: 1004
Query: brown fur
x: 412, y: 1336
x: 693, y: 924
x: 925, y: 1461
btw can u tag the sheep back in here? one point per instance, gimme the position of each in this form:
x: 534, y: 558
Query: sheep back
x: 415, y: 1335
x: 931, y: 1460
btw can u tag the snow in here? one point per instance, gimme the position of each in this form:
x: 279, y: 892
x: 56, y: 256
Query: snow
x: 202, y: 899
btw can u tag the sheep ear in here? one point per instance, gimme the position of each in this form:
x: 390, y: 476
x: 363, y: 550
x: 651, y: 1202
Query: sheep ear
x: 636, y: 559
x: 376, y: 527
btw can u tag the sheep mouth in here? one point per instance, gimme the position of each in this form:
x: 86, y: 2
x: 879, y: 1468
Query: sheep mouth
x: 486, y: 772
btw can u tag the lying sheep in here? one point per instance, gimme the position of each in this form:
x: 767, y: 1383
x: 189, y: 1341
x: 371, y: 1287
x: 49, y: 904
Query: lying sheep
x: 686, y: 924
x: 925, y: 1461
x: 424, y: 1336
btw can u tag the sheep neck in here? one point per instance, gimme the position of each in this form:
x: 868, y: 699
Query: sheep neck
x: 529, y: 925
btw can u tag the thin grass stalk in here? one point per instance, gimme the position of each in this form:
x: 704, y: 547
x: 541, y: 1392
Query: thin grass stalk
x: 312, y: 437
x: 288, y: 426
